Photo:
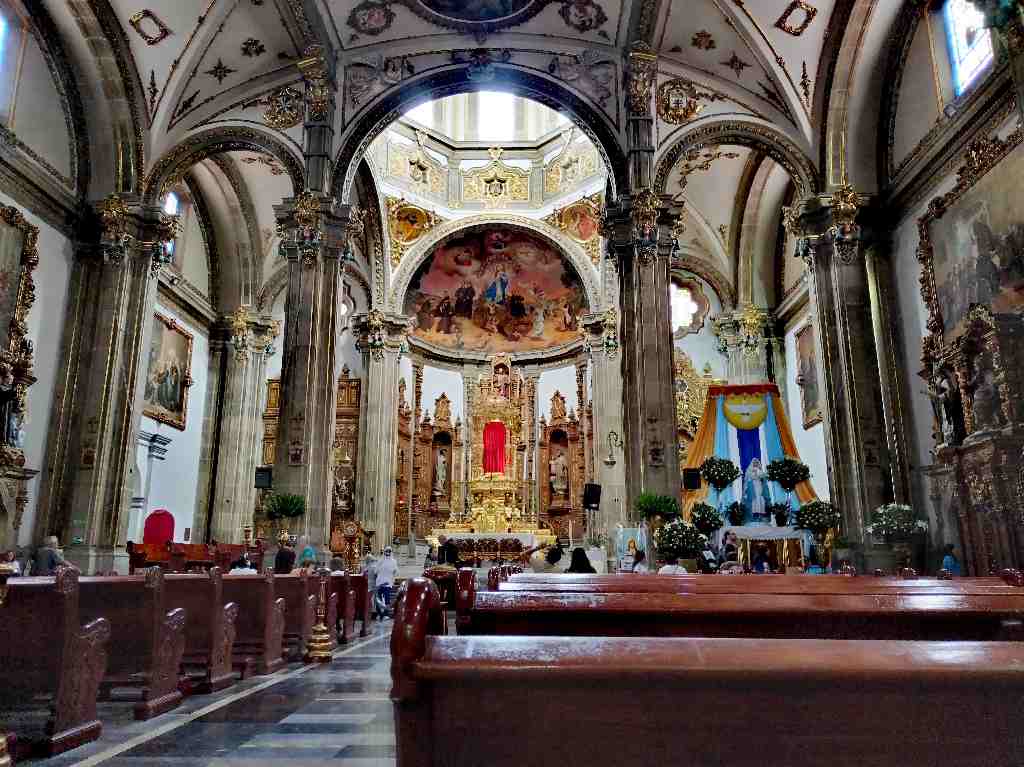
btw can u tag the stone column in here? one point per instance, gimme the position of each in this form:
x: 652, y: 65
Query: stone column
x: 239, y: 429
x: 156, y: 450
x: 317, y: 231
x: 532, y: 472
x: 581, y: 409
x: 84, y: 493
x: 417, y: 394
x: 848, y: 363
x: 382, y: 340
x: 320, y: 108
x: 609, y: 456
x: 1006, y: 17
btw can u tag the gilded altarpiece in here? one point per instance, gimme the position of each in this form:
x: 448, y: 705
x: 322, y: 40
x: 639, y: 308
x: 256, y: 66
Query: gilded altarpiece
x: 562, y: 470
x: 691, y: 391
x: 403, y: 459
x: 437, y: 462
x: 972, y: 271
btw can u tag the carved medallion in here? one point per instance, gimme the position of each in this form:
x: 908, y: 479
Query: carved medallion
x: 149, y: 27
x: 797, y: 7
x: 285, y: 109
x: 680, y: 101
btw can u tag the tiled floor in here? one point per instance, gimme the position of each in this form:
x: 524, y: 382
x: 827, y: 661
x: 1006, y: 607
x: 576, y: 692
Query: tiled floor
x: 339, y: 713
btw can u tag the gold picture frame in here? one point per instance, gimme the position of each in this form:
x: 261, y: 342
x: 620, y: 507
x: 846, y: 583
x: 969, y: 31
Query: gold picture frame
x: 169, y: 373
x: 807, y: 377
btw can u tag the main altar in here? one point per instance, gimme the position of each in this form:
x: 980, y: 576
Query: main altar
x: 498, y: 502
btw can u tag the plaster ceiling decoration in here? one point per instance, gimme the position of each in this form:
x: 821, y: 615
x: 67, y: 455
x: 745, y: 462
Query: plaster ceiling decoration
x: 267, y: 184
x: 362, y: 23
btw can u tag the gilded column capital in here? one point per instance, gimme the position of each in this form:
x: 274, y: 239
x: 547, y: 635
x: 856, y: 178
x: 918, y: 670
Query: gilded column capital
x: 249, y: 332
x: 641, y: 69
x: 602, y: 332
x: 645, y: 224
x: 320, y: 86
x: 379, y: 333
x: 127, y: 226
x: 314, y: 226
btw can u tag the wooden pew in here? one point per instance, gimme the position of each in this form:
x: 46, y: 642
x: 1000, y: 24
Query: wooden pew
x: 225, y: 554
x: 142, y: 556
x: 187, y: 557
x: 147, y: 637
x: 364, y: 601
x: 300, y: 594
x: 45, y: 650
x: 259, y: 629
x: 344, y: 624
x: 209, y: 628
x: 751, y: 584
x: 938, y: 616
x: 748, y: 703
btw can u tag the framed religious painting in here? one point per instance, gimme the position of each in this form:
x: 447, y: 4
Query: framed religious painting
x: 168, y: 376
x: 807, y: 377
x: 972, y: 240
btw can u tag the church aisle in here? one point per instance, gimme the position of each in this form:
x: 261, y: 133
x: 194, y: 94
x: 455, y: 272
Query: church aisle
x: 339, y: 713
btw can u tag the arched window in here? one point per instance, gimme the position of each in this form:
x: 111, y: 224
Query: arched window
x: 172, y: 207
x: 970, y: 43
x: 178, y: 203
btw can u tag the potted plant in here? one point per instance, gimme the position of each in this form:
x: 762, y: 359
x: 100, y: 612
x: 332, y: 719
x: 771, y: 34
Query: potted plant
x: 894, y: 524
x: 737, y: 513
x: 817, y: 516
x: 705, y: 518
x: 284, y: 506
x: 680, y: 540
x: 788, y: 473
x: 651, y: 506
x: 780, y: 512
x: 719, y: 472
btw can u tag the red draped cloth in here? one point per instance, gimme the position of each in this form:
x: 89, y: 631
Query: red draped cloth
x: 494, y: 447
x: 159, y: 527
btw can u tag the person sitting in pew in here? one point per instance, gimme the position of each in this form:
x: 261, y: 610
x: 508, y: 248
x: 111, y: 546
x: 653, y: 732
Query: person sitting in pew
x: 49, y: 557
x: 545, y: 561
x: 730, y: 551
x: 762, y: 560
x: 12, y: 562
x: 447, y: 552
x: 284, y: 560
x: 949, y: 561
x: 640, y: 563
x: 307, y: 567
x: 672, y: 567
x: 337, y: 566
x: 580, y: 564
x: 242, y: 566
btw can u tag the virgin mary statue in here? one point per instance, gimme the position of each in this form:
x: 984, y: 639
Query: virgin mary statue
x: 754, y: 486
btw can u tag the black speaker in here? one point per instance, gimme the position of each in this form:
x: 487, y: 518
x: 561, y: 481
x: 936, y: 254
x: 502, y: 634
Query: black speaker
x: 691, y: 479
x: 591, y: 496
x: 264, y: 478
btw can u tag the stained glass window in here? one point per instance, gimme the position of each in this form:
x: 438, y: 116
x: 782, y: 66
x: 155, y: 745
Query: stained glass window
x: 970, y: 44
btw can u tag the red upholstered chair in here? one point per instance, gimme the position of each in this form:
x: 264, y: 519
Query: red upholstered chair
x: 159, y: 527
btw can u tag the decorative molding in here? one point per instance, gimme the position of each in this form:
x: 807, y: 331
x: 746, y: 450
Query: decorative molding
x: 679, y: 100
x: 152, y: 37
x: 784, y: 24
x: 406, y: 224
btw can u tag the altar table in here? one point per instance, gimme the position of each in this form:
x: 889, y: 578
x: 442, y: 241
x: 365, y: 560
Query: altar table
x: 790, y: 543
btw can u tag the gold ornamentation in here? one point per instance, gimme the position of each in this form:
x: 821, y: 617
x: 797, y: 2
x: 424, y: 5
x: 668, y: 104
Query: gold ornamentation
x: 691, y: 393
x: 284, y: 109
x: 415, y: 164
x: 736, y: 64
x: 318, y: 88
x: 646, y: 206
x: 845, y: 204
x: 785, y: 24
x: 704, y: 41
x: 581, y: 220
x: 805, y: 86
x: 642, y: 68
x: 496, y: 184
x: 238, y: 323
x: 698, y: 161
x: 406, y: 224
x: 573, y: 165
x: 679, y: 100
x: 114, y: 220
x: 151, y: 37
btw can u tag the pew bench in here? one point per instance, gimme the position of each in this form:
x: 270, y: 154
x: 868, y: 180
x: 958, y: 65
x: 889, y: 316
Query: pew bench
x: 142, y: 556
x: 209, y: 629
x: 47, y: 651
x: 259, y: 628
x: 225, y: 554
x: 147, y: 637
x: 619, y: 702
x: 364, y: 601
x: 300, y: 597
x: 893, y: 615
x: 344, y: 624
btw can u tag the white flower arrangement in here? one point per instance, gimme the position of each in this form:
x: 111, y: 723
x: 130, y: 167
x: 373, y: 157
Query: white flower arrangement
x: 895, y: 520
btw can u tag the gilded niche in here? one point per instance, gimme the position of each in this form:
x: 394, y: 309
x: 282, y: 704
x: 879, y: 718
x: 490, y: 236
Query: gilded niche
x: 496, y: 184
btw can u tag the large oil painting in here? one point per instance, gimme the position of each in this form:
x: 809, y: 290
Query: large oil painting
x: 168, y: 376
x: 978, y: 246
x: 496, y: 288
x: 807, y: 377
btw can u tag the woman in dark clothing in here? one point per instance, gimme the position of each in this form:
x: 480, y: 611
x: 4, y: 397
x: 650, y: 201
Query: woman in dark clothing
x: 579, y: 562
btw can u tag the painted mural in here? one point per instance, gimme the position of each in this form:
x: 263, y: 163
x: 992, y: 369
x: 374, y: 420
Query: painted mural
x: 476, y: 10
x: 496, y: 289
x: 979, y: 247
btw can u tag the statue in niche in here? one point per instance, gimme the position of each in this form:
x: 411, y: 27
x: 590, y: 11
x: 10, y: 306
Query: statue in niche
x: 558, y: 407
x: 947, y: 407
x: 558, y: 472
x: 501, y: 381
x: 440, y: 473
x: 986, y: 406
x: 10, y: 408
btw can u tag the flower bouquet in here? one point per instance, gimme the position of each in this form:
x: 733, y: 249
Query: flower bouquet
x: 780, y: 511
x: 817, y: 516
x: 679, y: 540
x: 788, y: 473
x: 737, y: 513
x: 895, y: 521
x: 719, y: 472
x: 705, y: 518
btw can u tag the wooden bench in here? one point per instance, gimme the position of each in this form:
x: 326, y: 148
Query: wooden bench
x: 259, y: 629
x: 895, y: 615
x: 364, y: 601
x: 142, y: 556
x: 623, y: 702
x: 147, y: 637
x: 46, y: 651
x: 344, y: 624
x: 189, y: 557
x: 225, y: 554
x: 300, y: 595
x: 209, y: 628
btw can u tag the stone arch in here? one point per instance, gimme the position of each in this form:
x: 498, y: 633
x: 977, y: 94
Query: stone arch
x: 390, y: 105
x: 755, y: 135
x: 422, y: 250
x: 207, y: 143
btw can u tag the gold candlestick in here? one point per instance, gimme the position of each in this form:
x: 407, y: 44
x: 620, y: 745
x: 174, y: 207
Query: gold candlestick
x: 318, y: 650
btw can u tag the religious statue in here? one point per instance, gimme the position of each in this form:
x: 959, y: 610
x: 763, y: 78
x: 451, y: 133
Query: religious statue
x: 753, y: 489
x: 440, y: 473
x: 559, y: 476
x: 558, y: 407
x: 501, y: 382
x: 947, y: 409
x: 985, y: 401
x: 9, y: 408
